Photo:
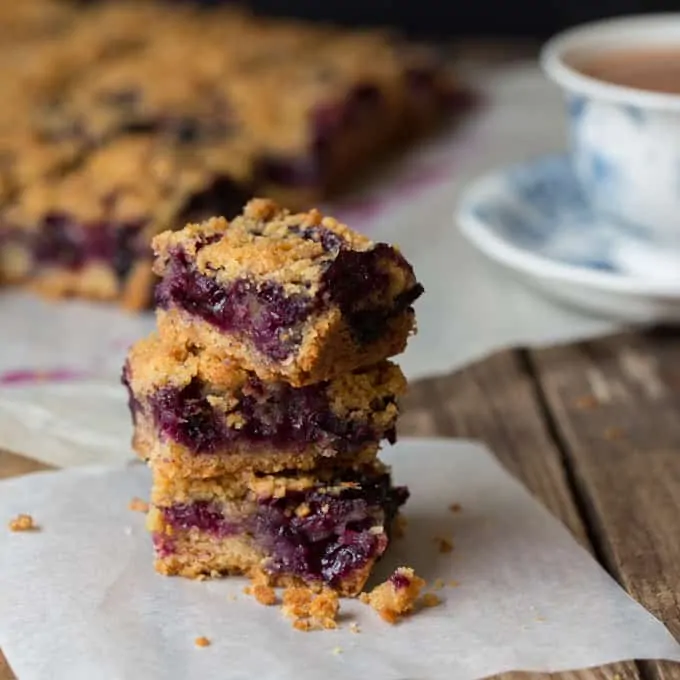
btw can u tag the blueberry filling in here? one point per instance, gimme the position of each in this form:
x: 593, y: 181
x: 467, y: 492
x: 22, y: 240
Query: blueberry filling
x: 329, y: 122
x: 328, y: 239
x: 352, y: 277
x: 269, y: 317
x: 273, y: 320
x: 222, y: 197
x: 273, y: 416
x: 399, y: 581
x: 203, y: 516
x: 64, y: 242
x: 302, y: 171
x: 328, y: 542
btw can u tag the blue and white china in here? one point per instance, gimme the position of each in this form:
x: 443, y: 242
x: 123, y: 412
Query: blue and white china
x: 534, y: 219
x: 625, y: 142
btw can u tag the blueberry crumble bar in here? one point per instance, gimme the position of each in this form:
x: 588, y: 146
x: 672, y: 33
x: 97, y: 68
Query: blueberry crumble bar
x: 197, y: 416
x: 88, y: 232
x: 322, y: 529
x: 294, y: 297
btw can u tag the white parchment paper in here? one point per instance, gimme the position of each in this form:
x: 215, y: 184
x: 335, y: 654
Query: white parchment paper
x: 80, y: 599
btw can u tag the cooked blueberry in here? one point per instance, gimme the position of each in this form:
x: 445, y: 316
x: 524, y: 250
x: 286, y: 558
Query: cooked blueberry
x: 202, y: 515
x: 399, y: 581
x: 362, y: 99
x: 351, y: 275
x: 222, y: 196
x: 64, y: 242
x: 327, y: 238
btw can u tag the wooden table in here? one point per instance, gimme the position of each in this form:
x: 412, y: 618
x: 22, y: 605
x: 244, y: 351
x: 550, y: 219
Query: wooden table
x: 593, y: 430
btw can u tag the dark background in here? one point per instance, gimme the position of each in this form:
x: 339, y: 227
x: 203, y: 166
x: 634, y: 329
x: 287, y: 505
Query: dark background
x: 451, y: 18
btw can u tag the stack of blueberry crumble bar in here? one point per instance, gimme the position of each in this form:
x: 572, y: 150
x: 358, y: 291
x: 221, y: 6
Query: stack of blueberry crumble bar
x: 262, y: 400
x: 117, y: 133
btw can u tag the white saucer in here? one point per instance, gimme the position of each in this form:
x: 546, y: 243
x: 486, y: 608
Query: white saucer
x: 532, y: 219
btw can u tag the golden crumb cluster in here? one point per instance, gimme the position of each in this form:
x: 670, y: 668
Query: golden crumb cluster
x: 309, y: 610
x: 22, y: 523
x: 263, y: 593
x: 396, y: 597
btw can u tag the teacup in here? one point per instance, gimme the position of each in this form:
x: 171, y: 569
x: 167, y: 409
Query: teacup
x: 625, y: 142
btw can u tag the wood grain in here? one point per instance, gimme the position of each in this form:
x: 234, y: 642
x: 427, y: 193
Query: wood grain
x: 615, y: 408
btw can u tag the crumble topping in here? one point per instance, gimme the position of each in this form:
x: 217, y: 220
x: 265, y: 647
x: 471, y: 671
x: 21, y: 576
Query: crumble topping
x: 202, y: 641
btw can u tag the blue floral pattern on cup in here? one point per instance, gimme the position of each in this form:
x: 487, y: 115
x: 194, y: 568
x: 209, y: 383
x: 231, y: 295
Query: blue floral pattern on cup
x: 540, y: 208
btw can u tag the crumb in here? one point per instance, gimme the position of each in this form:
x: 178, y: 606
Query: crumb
x: 310, y: 611
x: 453, y: 583
x: 354, y: 627
x: 399, y: 527
x: 232, y: 598
x: 395, y: 597
x: 540, y: 618
x: 613, y: 433
x: 444, y: 545
x: 438, y: 584
x: 296, y: 602
x: 127, y: 531
x: 430, y: 600
x: 202, y: 641
x: 138, y: 505
x: 455, y: 507
x: 303, y: 625
x: 337, y: 650
x: 264, y: 594
x: 23, y: 523
x: 586, y: 402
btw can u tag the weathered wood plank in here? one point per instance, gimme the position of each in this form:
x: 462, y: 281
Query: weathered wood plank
x: 496, y: 401
x: 616, y: 409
